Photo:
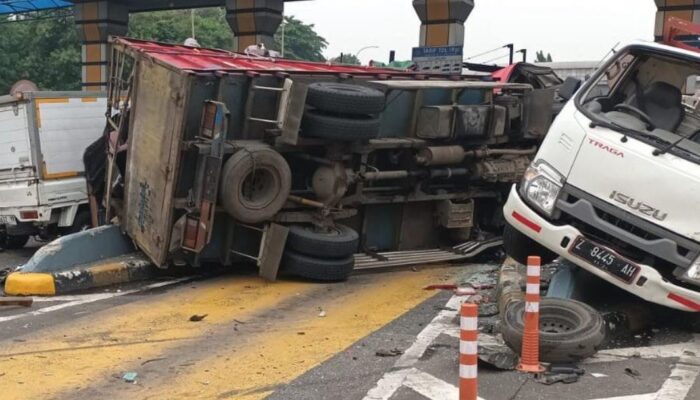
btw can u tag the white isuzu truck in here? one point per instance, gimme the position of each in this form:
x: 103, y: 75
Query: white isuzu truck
x: 615, y: 187
x: 42, y: 139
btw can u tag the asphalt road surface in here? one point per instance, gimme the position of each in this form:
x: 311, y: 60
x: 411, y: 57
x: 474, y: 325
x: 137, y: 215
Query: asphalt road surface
x: 300, y: 340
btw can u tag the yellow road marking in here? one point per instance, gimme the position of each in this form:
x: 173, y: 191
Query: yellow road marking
x: 79, y: 353
x: 279, y: 354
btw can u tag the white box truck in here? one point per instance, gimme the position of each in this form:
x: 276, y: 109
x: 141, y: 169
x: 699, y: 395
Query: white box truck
x: 42, y: 139
x: 615, y: 186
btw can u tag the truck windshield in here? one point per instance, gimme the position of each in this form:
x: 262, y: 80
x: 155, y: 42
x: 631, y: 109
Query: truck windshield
x: 651, y: 95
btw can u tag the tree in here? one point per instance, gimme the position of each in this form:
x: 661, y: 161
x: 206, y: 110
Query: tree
x: 349, y: 59
x: 174, y: 26
x: 542, y: 58
x: 301, y: 42
x: 46, y: 52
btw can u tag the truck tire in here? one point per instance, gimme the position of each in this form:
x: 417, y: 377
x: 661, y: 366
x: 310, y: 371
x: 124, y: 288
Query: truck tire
x: 345, y: 99
x: 570, y: 331
x: 339, y: 242
x: 255, y: 184
x: 82, y: 222
x: 13, y: 242
x: 318, y: 269
x: 519, y: 247
x: 326, y: 126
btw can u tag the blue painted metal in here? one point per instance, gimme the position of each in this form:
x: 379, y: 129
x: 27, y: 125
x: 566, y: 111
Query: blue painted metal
x: 24, y: 6
x: 563, y: 284
x: 80, y: 249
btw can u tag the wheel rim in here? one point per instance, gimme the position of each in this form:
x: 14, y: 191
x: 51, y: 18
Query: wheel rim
x: 560, y: 323
x: 259, y: 188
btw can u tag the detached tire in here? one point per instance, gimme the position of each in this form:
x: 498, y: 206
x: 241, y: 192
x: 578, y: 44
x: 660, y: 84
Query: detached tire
x: 255, y: 184
x: 570, y: 331
x: 318, y: 269
x: 339, y: 242
x: 519, y: 247
x: 15, y: 242
x: 345, y: 99
x: 326, y: 126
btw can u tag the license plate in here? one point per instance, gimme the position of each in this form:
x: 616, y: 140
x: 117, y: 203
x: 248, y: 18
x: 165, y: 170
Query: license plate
x: 8, y: 220
x: 605, y: 259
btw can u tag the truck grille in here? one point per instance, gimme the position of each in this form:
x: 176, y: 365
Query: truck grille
x: 632, y: 236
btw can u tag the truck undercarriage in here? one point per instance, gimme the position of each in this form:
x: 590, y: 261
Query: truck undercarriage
x: 223, y: 154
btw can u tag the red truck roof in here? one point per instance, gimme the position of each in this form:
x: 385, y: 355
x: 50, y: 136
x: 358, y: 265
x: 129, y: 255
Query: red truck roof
x: 210, y: 60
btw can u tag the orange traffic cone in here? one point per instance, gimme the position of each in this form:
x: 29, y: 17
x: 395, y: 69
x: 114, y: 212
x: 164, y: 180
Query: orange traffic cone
x: 468, y: 354
x: 530, y: 357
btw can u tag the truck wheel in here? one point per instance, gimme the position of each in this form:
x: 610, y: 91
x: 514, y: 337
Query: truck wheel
x: 13, y: 242
x: 319, y: 269
x: 82, y: 222
x: 570, y: 331
x: 326, y: 126
x: 345, y: 99
x: 255, y: 184
x: 338, y: 242
x: 519, y: 247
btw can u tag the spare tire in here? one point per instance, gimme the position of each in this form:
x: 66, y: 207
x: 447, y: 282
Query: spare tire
x: 338, y: 242
x: 326, y: 126
x: 319, y: 269
x: 255, y: 184
x: 570, y: 331
x: 345, y: 99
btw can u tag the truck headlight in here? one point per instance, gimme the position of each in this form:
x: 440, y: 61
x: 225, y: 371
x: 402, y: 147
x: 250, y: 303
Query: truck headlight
x: 693, y: 273
x: 541, y: 186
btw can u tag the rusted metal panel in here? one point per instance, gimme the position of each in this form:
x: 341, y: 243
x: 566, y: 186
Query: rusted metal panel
x: 154, y: 146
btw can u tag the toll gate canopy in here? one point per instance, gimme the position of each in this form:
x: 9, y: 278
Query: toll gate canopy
x: 24, y: 6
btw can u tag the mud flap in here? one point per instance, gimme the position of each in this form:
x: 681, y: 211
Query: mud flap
x: 272, y: 242
x: 271, y: 248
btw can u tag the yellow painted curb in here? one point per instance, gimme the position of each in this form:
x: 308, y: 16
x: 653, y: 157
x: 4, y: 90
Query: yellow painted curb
x: 109, y: 274
x: 30, y: 284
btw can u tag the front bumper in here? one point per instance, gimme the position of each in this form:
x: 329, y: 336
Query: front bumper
x: 649, y: 284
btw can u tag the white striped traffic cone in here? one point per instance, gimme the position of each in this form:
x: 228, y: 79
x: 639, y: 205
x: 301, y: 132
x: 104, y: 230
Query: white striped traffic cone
x: 468, y: 354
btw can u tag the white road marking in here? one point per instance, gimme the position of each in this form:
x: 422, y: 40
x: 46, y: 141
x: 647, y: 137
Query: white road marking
x: 430, y: 386
x: 392, y: 381
x: 682, y: 378
x: 430, y: 333
x: 661, y: 351
x: 648, y: 396
x: 89, y: 299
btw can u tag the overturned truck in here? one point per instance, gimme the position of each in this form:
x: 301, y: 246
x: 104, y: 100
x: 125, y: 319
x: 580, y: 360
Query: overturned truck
x: 315, y: 168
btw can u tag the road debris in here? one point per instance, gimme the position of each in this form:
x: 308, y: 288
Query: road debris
x: 16, y: 301
x: 633, y: 373
x: 388, y: 353
x: 197, y: 318
x: 130, y: 377
x: 548, y: 378
x: 154, y: 360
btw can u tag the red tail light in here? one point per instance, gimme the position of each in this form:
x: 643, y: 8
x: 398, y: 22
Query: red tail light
x: 33, y: 214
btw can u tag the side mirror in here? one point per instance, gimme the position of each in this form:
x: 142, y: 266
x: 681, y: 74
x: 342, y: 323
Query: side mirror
x: 569, y: 88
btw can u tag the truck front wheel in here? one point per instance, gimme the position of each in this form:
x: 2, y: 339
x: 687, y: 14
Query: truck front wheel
x: 519, y: 247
